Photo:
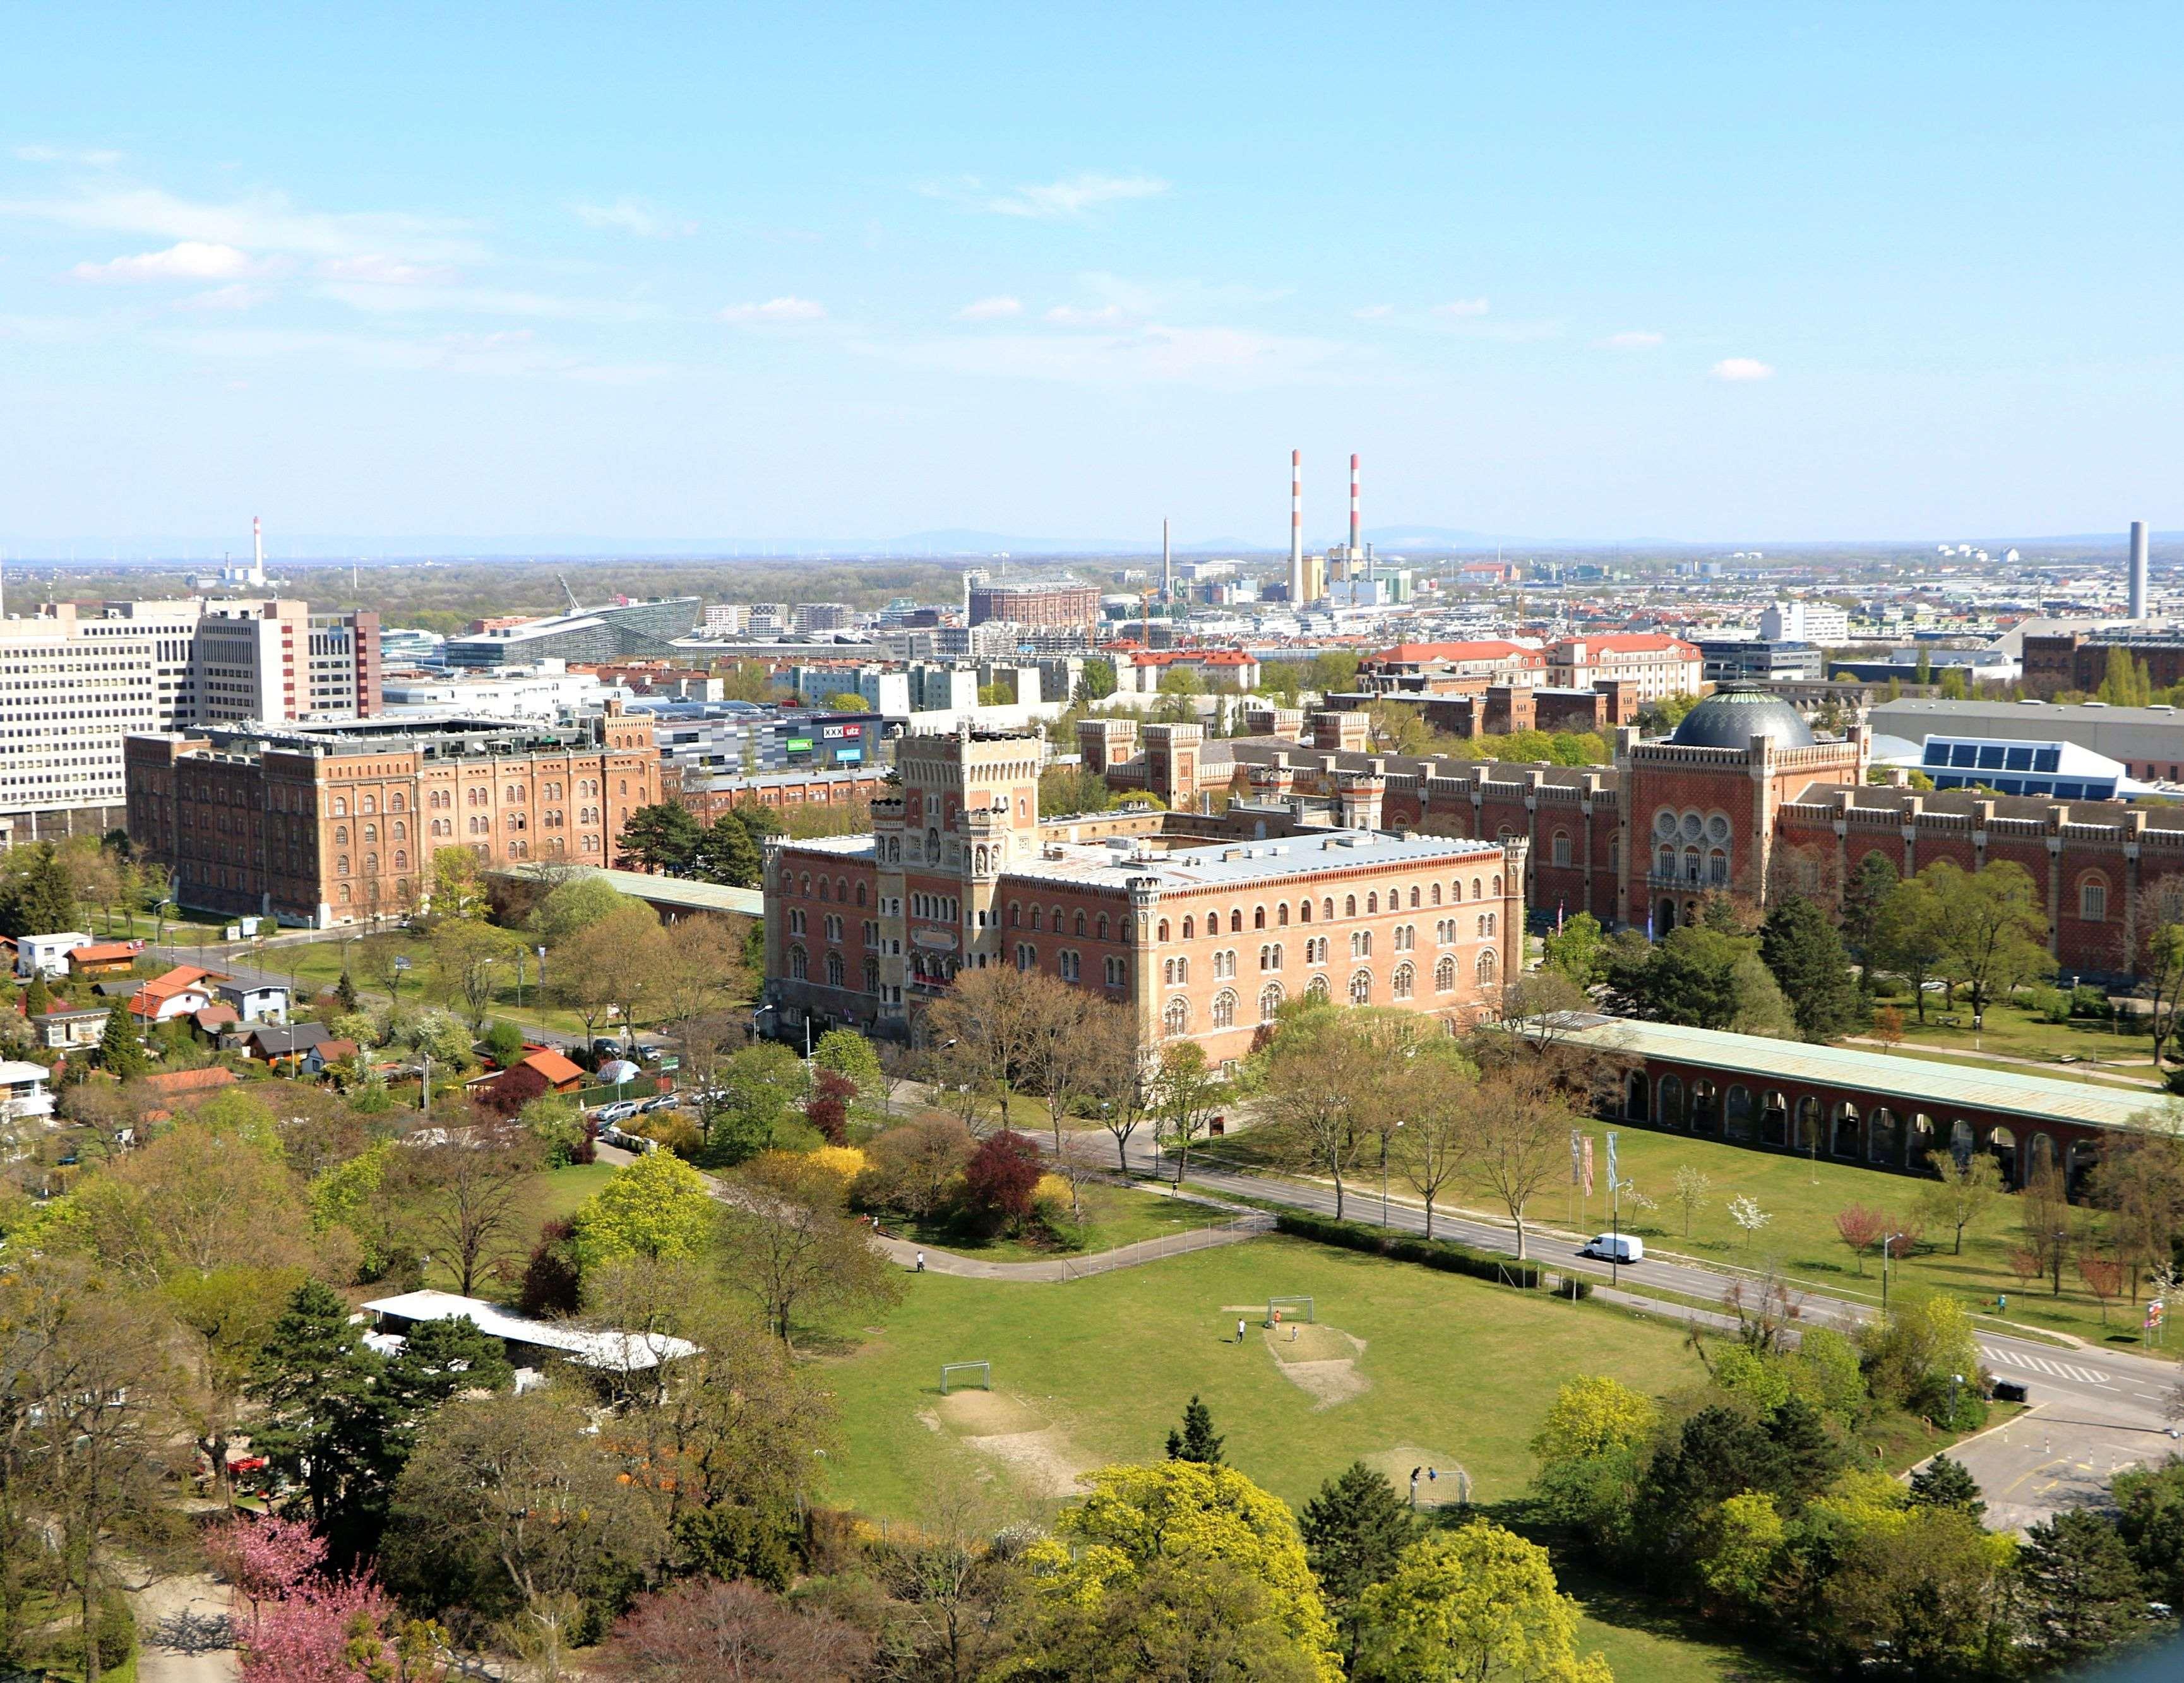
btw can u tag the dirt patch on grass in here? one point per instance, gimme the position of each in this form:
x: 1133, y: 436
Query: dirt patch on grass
x: 1007, y: 1429
x: 1446, y: 1490
x: 1320, y: 1360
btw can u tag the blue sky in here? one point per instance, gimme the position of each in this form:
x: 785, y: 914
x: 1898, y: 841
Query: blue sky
x: 1719, y: 273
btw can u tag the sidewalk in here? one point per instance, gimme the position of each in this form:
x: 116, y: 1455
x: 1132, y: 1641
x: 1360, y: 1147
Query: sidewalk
x: 1051, y: 1269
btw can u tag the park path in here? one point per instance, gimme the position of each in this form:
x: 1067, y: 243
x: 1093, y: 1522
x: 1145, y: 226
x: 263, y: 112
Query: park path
x: 2099, y: 1072
x: 1244, y: 1225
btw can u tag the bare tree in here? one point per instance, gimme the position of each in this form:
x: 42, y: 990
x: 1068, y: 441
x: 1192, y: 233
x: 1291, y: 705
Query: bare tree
x: 1437, y: 1098
x: 1064, y: 1053
x: 2152, y: 945
x: 706, y: 1629
x: 703, y: 975
x: 590, y: 969
x: 1120, y: 1083
x: 1322, y: 1083
x: 1185, y: 1095
x: 994, y: 1020
x: 786, y: 1242
x: 467, y: 1196
x: 1524, y: 1123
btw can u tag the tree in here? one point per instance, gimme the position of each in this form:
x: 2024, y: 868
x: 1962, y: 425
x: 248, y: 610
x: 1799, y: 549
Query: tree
x: 657, y: 1206
x: 1804, y: 953
x: 1472, y: 1602
x: 1907, y: 936
x: 505, y: 1044
x: 1185, y: 1093
x: 121, y: 1053
x: 1195, y: 1440
x: 457, y: 889
x: 2104, y: 1277
x: 2049, y: 1222
x: 914, y: 1168
x: 1861, y: 1228
x: 1436, y: 1094
x: 1524, y: 1129
x: 728, y: 852
x: 2150, y: 1517
x: 506, y: 1503
x: 1692, y: 1185
x: 39, y: 899
x: 1864, y: 895
x: 659, y: 838
x: 1064, y: 789
x: 1175, y: 1570
x: 325, y: 1417
x: 376, y: 956
x: 999, y: 1179
x: 763, y: 1086
x: 1355, y: 1531
x: 2082, y: 1593
x: 847, y: 1052
x: 574, y: 904
x: 1943, y: 1483
x: 991, y: 1020
x: 787, y: 1243
x: 1097, y: 681
x: 2140, y: 1180
x: 1960, y: 1193
x: 590, y: 965
x: 1117, y: 1083
x: 2125, y: 681
x: 1993, y: 933
x: 1927, y: 1595
x: 467, y: 1197
x: 1580, y: 949
x: 1067, y: 1051
x: 704, y: 1629
x: 1914, y: 1352
x: 467, y: 955
x: 1320, y: 1081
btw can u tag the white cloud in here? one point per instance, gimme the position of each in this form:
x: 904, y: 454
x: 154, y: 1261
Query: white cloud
x: 1741, y: 368
x: 990, y: 310
x: 1461, y: 309
x: 234, y: 297
x: 1632, y: 342
x: 776, y: 309
x: 190, y: 260
x: 1374, y: 312
x: 633, y: 217
x: 54, y: 154
x: 1070, y: 316
x: 1222, y: 357
x: 378, y: 269
x: 1071, y: 196
x: 262, y: 222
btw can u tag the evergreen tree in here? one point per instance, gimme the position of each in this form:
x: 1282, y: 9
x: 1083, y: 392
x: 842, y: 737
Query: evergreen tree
x: 1943, y: 1483
x: 726, y: 853
x: 1196, y: 1441
x: 38, y: 998
x: 1864, y: 895
x: 345, y: 991
x: 1805, y: 954
x: 2082, y: 1593
x: 42, y: 900
x: 121, y: 1053
x: 663, y: 836
x: 1355, y: 1530
x: 328, y: 1416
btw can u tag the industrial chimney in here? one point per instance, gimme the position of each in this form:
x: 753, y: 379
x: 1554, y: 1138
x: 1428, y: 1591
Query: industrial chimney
x: 1356, y: 546
x: 1167, y: 567
x: 1297, y: 528
x: 2139, y: 595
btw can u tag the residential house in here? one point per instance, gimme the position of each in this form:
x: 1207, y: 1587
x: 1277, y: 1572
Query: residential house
x: 216, y: 1020
x: 255, y: 1001
x: 23, y: 1095
x: 48, y: 954
x: 274, y: 1042
x: 105, y: 958
x: 183, y: 991
x: 69, y: 1027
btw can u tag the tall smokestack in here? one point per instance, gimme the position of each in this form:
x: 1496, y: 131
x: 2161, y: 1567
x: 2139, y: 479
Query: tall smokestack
x: 2139, y: 592
x: 1167, y: 567
x: 1296, y: 527
x: 1356, y: 547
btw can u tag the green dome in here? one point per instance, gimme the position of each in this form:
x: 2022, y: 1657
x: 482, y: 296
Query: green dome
x: 1731, y: 718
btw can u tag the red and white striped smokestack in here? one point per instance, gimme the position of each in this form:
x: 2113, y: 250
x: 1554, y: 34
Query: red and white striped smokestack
x: 1296, y: 526
x: 1356, y: 547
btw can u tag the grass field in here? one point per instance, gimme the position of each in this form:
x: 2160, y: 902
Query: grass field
x: 1450, y: 1371
x: 1114, y: 1215
x: 2013, y: 1032
x: 1801, y: 1197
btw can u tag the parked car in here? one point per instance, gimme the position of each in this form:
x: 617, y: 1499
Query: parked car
x: 620, y: 1111
x: 1614, y: 1247
x: 663, y: 1101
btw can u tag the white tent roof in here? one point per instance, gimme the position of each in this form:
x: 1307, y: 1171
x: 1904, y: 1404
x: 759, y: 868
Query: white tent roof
x: 620, y: 1353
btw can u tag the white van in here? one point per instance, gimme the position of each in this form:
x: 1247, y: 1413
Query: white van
x: 1615, y: 1247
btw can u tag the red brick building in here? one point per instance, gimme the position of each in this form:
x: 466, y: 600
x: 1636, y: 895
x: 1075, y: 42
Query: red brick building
x: 1202, y: 927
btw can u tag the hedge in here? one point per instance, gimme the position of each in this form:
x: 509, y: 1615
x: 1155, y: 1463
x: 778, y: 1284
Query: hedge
x: 1403, y: 1247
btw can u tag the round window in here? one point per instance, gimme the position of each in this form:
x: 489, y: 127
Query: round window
x: 1665, y: 822
x: 1694, y: 827
x: 1718, y: 828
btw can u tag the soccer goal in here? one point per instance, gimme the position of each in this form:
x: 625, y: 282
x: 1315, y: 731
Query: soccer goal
x: 1295, y: 1308
x: 962, y: 1373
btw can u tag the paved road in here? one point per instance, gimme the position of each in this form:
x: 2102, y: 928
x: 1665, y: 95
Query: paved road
x: 2096, y: 1409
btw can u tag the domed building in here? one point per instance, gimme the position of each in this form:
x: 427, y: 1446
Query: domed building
x: 1733, y: 717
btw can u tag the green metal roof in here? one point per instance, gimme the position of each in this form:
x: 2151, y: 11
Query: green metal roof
x: 678, y: 892
x: 1925, y: 1083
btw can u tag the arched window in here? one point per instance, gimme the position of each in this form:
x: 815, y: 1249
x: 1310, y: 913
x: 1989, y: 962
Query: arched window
x: 1403, y: 983
x: 1918, y: 1143
x: 340, y: 806
x: 1078, y: 925
x: 1361, y: 988
x: 1176, y: 1019
x: 401, y: 858
x: 1881, y: 1143
x: 1282, y: 916
x: 340, y: 835
x: 1236, y: 922
x: 1635, y: 1093
x: 341, y: 866
x: 1738, y: 1113
x: 2093, y: 900
x: 1559, y: 849
x: 2001, y: 1145
x: 1706, y: 1108
x: 1360, y: 944
x: 1774, y: 1119
x: 1444, y: 976
x: 1190, y: 925
x: 1327, y: 908
x: 371, y: 865
x: 1475, y: 894
x: 1270, y: 1001
x: 1224, y: 1010
x: 823, y: 896
x: 833, y: 970
x: 1846, y: 1130
x: 1103, y: 926
x: 872, y: 976
x: 1317, y: 990
x: 1672, y: 1101
x: 1436, y: 894
x: 1809, y: 1122
x: 1372, y: 905
x: 1163, y: 928
x: 800, y: 966
x: 861, y: 894
x: 1488, y: 967
x: 1716, y: 869
x: 1497, y: 885
x: 1414, y: 896
x: 1350, y: 906
x: 1258, y: 917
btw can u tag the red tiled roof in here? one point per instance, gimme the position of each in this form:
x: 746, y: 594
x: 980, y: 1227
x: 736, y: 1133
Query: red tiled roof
x: 1632, y: 642
x: 552, y: 1066
x: 103, y: 952
x: 191, y: 1080
x: 1488, y: 650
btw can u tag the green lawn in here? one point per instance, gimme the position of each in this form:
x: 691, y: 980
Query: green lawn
x: 2016, y: 1032
x: 1453, y: 1371
x: 313, y: 967
x: 1802, y: 1198
x: 1114, y: 1215
x: 562, y: 1189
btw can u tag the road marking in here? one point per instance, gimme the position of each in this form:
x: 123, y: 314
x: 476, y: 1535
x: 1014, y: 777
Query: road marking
x: 2060, y: 1370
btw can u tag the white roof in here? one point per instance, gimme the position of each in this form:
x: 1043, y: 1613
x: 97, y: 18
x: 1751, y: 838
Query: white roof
x: 14, y: 1072
x: 615, y: 1351
x: 1236, y: 864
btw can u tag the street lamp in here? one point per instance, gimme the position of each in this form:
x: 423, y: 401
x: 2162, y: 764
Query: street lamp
x: 1887, y: 1252
x: 1955, y: 1381
x: 1386, y: 1134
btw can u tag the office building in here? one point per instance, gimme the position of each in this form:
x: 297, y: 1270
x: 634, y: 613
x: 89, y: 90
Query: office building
x: 1055, y: 603
x: 1805, y: 621
x: 613, y: 632
x: 1758, y: 660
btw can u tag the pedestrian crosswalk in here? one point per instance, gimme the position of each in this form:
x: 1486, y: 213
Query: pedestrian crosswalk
x: 2038, y: 1364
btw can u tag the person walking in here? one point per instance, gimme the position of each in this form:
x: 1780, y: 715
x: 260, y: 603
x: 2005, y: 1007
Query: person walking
x: 921, y: 1261
x: 1240, y: 1332
x: 1414, y: 1486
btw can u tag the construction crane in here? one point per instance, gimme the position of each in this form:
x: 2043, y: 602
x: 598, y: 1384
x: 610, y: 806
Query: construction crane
x: 574, y: 606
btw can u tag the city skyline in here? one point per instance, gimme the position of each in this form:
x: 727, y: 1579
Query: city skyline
x: 1828, y: 274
